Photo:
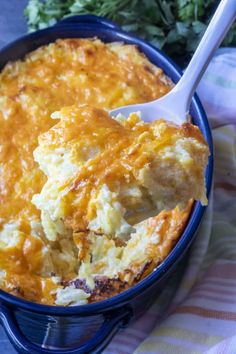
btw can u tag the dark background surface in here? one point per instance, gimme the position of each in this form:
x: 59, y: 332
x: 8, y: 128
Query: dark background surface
x: 12, y: 22
x: 12, y: 25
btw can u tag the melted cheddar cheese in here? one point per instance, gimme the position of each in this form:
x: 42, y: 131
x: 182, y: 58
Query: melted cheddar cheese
x: 67, y: 72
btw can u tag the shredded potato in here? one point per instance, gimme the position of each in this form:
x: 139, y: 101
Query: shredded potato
x: 56, y: 247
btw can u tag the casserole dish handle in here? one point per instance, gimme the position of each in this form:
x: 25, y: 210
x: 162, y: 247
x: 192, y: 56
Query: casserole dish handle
x: 112, y: 323
x: 88, y: 19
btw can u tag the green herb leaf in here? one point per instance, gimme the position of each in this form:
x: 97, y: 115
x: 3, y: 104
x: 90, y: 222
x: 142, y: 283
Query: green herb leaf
x: 176, y: 26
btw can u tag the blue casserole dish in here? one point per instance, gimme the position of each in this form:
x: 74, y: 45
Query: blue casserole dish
x: 34, y: 328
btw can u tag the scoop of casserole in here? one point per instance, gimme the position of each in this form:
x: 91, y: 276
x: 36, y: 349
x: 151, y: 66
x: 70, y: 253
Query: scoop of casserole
x: 106, y: 175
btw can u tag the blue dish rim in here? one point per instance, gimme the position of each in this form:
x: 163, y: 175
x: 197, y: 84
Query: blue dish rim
x: 192, y: 225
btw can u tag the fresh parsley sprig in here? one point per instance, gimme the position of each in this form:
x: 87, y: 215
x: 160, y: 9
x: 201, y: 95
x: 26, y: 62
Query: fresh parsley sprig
x: 175, y: 26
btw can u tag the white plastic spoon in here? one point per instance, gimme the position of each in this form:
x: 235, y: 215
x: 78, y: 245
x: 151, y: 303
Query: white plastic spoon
x: 174, y: 106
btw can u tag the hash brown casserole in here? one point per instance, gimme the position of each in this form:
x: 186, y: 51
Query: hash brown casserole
x: 108, y: 200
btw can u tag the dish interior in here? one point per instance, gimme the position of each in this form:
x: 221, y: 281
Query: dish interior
x: 43, y: 262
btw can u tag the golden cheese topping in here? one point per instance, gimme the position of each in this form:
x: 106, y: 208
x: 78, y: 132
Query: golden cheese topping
x: 69, y: 71
x: 72, y: 72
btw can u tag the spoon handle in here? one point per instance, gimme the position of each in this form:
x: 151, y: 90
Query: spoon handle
x: 214, y: 35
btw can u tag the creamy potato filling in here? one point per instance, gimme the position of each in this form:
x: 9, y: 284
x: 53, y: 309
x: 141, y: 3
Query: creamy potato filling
x: 95, y: 227
x: 106, y: 178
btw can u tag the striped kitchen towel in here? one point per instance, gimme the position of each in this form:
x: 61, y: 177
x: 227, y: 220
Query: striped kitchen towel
x: 199, y: 314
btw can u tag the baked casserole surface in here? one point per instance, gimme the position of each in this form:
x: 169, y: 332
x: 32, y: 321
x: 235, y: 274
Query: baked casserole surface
x: 86, y: 206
